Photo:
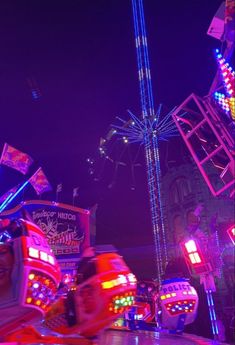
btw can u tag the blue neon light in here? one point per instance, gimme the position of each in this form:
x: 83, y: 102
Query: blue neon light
x: 147, y: 132
x: 174, y: 280
x: 6, y: 200
x: 211, y: 307
x: 13, y: 196
x: 4, y: 236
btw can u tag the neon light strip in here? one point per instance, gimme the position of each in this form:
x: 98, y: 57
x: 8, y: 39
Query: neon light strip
x: 2, y: 207
x: 150, y: 140
x: 212, y: 314
x: 6, y: 200
x: 146, y: 58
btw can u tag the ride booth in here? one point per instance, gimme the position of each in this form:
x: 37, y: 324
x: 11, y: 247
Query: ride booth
x: 66, y: 227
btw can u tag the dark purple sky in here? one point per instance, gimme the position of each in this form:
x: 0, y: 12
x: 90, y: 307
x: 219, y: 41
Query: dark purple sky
x: 81, y: 54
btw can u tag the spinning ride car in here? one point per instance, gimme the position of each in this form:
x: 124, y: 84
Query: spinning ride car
x: 29, y: 281
x: 142, y: 314
x: 29, y: 275
x: 179, y: 303
x: 106, y: 292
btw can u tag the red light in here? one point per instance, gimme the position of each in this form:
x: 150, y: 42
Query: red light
x: 191, y: 246
x: 192, y: 253
x: 195, y: 258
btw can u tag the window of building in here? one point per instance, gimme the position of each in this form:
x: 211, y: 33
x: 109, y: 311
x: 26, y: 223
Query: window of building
x: 179, y: 190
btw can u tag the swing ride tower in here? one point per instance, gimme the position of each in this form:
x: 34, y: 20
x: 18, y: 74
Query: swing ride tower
x: 149, y: 120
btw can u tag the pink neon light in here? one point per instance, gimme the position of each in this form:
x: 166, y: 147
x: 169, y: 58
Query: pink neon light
x: 231, y: 233
x: 208, y: 115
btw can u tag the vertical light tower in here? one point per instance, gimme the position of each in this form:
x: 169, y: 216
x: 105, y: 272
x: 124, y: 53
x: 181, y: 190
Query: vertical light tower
x: 150, y: 121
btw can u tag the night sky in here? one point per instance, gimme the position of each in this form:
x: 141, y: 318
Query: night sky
x: 81, y: 55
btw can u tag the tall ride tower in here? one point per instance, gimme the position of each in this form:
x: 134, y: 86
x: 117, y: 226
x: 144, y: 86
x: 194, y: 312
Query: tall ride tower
x: 151, y: 130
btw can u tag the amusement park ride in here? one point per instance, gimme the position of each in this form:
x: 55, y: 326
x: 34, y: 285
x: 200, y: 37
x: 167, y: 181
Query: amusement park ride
x: 207, y: 126
x: 30, y: 276
x: 30, y: 279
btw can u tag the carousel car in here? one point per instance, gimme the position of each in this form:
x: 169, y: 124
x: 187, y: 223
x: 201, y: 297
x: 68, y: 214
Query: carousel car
x: 142, y: 314
x: 178, y: 303
x: 29, y: 275
x: 105, y: 292
x: 30, y: 278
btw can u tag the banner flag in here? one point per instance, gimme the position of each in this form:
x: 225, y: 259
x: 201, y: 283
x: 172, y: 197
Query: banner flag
x: 59, y: 188
x: 75, y: 192
x: 40, y: 182
x: 15, y: 159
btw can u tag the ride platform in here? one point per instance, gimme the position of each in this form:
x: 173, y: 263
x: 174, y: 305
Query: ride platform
x: 114, y: 337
